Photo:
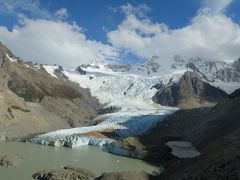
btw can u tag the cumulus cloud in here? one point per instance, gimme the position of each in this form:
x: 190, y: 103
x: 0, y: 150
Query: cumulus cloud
x: 210, y: 35
x: 46, y: 38
x: 50, y: 42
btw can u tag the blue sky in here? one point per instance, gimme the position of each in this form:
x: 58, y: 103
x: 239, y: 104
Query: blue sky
x: 93, y: 15
x: 78, y: 31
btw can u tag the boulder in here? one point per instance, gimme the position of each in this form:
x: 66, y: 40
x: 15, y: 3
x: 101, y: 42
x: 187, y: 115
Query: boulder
x: 9, y: 160
x: 65, y: 173
x: 126, y: 175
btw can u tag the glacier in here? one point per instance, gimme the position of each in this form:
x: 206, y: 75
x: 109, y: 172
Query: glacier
x: 129, y: 91
x: 130, y: 88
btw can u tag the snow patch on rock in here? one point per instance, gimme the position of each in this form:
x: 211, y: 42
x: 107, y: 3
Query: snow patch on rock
x: 50, y: 70
x: 11, y: 59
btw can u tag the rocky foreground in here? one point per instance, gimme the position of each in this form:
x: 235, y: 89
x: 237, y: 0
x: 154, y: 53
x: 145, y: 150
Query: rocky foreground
x: 73, y: 173
x: 10, y: 160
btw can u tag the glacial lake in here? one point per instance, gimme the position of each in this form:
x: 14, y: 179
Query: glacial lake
x: 38, y: 157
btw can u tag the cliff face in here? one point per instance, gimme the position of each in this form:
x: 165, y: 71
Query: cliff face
x: 33, y: 102
x: 190, y: 91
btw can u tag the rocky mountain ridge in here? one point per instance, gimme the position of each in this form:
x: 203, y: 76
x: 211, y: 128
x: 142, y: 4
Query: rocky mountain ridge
x: 211, y: 71
x: 217, y: 73
x: 33, y: 102
x: 178, y: 87
x: 191, y: 90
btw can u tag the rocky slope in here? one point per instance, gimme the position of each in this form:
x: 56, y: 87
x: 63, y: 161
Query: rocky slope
x: 191, y: 90
x: 214, y: 132
x: 33, y: 102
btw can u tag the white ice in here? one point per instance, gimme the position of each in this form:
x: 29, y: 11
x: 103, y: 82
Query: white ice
x: 131, y: 92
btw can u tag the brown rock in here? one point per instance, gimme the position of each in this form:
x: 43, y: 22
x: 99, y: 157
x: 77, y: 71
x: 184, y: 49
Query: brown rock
x: 10, y: 160
x: 66, y: 173
x: 127, y: 175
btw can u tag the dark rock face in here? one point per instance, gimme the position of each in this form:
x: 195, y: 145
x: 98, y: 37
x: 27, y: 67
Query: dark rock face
x: 128, y: 175
x: 66, y: 173
x: 59, y: 73
x: 80, y: 70
x: 167, y: 95
x: 10, y: 160
x: 225, y: 169
x: 108, y: 110
x: 190, y: 90
x: 235, y: 94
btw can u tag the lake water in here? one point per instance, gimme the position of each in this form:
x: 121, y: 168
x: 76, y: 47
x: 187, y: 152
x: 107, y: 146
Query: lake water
x: 37, y: 157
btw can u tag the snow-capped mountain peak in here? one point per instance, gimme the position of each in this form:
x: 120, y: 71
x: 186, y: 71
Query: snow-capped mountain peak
x: 220, y: 74
x: 98, y: 64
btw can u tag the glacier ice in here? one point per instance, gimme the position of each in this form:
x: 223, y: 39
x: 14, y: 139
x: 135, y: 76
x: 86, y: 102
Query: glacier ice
x: 131, y: 92
x: 129, y: 88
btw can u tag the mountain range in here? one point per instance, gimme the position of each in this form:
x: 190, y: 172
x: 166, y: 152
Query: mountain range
x: 133, y: 106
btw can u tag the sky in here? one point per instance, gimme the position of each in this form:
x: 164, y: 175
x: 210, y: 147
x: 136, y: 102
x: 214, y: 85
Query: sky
x: 71, y: 33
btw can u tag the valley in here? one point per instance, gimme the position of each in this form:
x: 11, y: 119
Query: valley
x: 144, y: 112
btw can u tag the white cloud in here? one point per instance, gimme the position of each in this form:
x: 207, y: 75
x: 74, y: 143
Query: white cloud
x: 139, y: 10
x: 20, y: 7
x: 216, y: 6
x: 210, y: 35
x: 50, y: 42
x: 61, y: 13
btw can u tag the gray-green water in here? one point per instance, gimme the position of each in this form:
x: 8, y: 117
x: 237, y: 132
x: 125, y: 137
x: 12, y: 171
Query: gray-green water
x: 36, y: 157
